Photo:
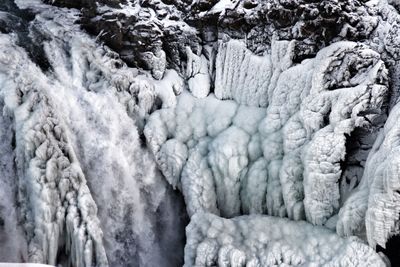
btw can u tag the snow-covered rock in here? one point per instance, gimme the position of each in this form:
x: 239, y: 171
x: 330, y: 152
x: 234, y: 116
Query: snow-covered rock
x: 199, y: 80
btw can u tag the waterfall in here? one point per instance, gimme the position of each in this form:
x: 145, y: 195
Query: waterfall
x: 96, y: 106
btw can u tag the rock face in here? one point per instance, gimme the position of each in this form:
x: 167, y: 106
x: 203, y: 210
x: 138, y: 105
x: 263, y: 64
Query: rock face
x: 273, y: 122
x: 139, y: 28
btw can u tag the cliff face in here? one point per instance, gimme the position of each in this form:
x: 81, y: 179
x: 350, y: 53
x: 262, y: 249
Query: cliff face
x: 264, y: 122
x: 150, y: 26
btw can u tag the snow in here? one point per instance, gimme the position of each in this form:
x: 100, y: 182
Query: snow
x: 167, y: 88
x: 222, y: 5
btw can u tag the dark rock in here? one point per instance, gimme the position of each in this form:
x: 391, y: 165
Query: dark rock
x: 162, y: 25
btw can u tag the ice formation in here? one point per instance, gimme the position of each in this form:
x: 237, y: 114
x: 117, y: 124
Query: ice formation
x: 59, y: 200
x: 247, y: 78
x: 197, y: 74
x: 64, y: 173
x: 279, y: 160
x: 270, y: 125
x: 257, y: 240
x: 376, y: 200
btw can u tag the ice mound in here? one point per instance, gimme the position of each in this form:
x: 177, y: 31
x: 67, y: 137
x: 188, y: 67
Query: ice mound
x: 257, y: 240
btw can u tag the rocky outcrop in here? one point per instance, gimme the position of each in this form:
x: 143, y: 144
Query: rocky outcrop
x: 142, y: 31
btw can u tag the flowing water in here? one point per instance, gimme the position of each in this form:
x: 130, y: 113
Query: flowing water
x: 142, y: 219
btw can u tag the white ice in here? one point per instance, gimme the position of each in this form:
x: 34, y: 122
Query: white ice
x: 280, y: 160
x: 257, y: 240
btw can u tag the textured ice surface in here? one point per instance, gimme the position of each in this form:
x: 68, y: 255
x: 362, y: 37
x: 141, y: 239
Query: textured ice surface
x: 58, y: 210
x: 283, y: 159
x: 257, y: 240
x: 197, y: 73
x: 247, y: 78
x: 64, y: 173
x: 13, y: 244
x: 258, y: 107
x: 376, y: 201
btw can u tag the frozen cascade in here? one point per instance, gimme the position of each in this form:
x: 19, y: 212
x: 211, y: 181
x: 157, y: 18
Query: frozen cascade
x: 257, y: 158
x: 277, y: 129
x: 64, y: 173
x: 231, y: 159
x: 247, y: 78
x: 13, y: 244
x: 58, y: 210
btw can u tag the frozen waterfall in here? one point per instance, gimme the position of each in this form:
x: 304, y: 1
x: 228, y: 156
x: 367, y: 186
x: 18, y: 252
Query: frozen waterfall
x: 199, y: 133
x: 80, y: 165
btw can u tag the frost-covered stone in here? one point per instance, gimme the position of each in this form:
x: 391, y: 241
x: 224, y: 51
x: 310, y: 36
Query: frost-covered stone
x: 199, y: 80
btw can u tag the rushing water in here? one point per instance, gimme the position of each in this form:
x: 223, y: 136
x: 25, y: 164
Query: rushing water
x: 141, y: 217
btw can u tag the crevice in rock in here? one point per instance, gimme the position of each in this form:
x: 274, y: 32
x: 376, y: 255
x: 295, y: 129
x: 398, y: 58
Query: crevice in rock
x: 391, y: 250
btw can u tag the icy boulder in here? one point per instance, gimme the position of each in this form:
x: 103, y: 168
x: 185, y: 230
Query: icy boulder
x: 205, y: 147
x: 269, y: 241
x: 197, y: 73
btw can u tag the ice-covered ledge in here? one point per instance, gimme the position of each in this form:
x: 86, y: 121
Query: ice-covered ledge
x: 258, y: 240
